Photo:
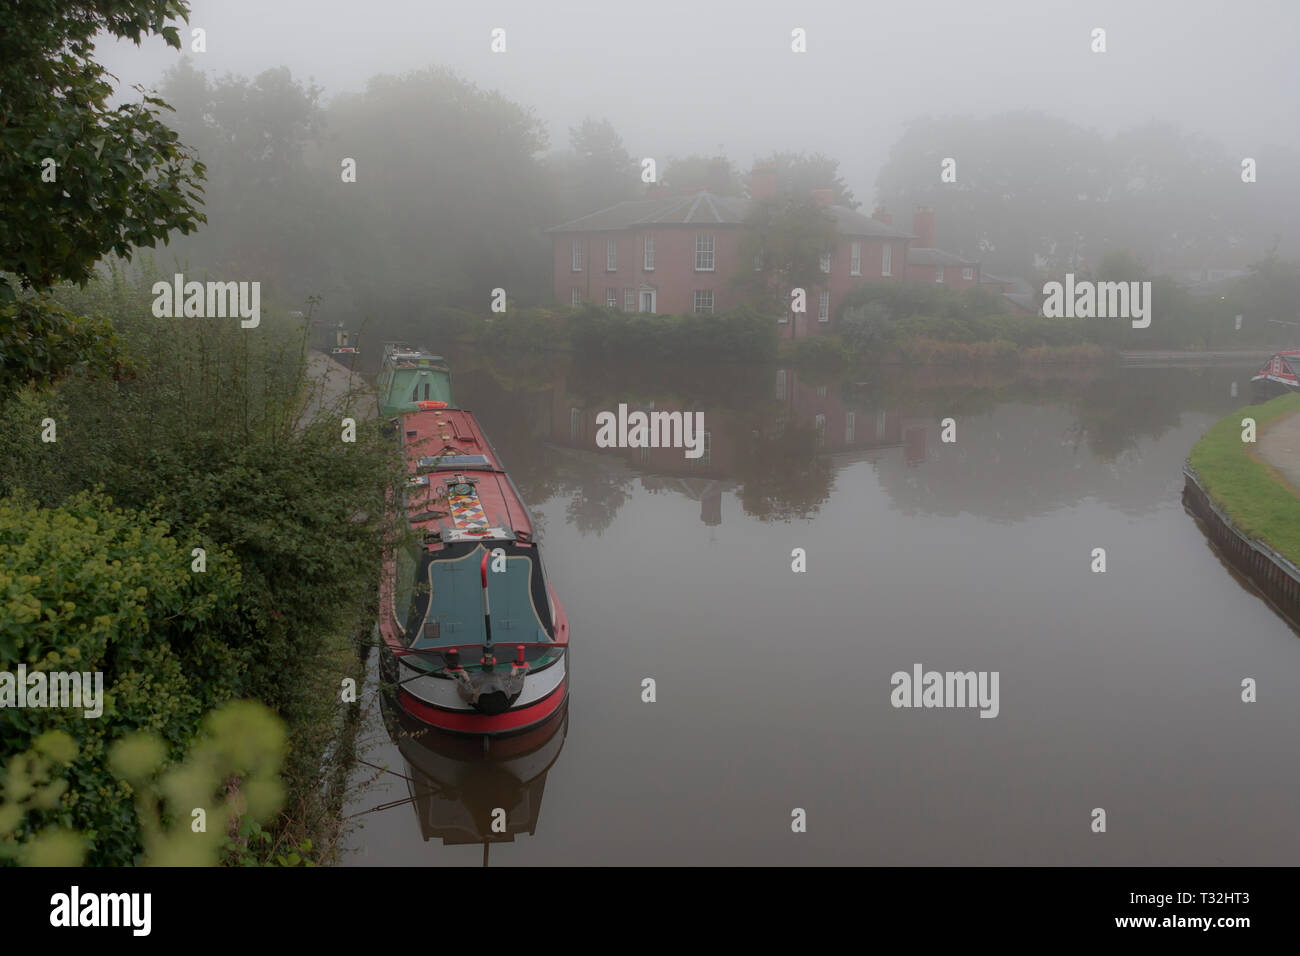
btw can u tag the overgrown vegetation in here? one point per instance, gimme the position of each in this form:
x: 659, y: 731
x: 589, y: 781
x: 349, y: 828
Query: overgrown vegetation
x: 1247, y: 489
x: 206, y: 444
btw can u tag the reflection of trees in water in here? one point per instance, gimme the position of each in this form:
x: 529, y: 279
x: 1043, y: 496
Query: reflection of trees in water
x: 597, y: 499
x: 1116, y: 412
x: 781, y: 473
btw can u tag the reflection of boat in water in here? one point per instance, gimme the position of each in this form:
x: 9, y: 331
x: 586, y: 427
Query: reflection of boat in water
x: 1278, y: 375
x: 463, y: 795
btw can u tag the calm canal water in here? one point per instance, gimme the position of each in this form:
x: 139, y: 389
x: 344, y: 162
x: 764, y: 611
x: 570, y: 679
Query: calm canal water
x: 1119, y: 690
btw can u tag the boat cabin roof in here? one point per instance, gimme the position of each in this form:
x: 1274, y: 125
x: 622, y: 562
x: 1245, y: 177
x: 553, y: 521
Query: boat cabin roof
x: 457, y: 489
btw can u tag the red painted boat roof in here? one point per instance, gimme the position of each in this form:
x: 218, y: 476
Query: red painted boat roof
x: 453, y: 437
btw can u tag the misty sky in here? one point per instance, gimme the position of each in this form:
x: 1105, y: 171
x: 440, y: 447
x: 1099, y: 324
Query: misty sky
x: 683, y: 76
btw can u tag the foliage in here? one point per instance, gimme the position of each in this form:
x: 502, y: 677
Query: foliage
x: 78, y: 178
x: 787, y: 234
x: 213, y: 438
x: 742, y: 334
x: 801, y: 173
x: 717, y: 174
x: 229, y: 780
x: 90, y: 587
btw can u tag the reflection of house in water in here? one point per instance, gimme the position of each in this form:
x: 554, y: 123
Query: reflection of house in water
x: 458, y: 790
x: 810, y: 418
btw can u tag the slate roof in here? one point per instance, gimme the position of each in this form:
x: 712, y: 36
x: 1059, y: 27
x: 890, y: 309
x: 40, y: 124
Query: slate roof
x: 936, y: 257
x: 707, y: 209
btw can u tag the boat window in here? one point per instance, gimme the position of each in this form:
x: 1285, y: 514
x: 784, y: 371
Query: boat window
x: 415, y: 392
x: 426, y: 391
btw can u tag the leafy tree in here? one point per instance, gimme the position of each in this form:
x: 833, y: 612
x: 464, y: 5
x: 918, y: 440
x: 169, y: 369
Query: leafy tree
x: 787, y: 235
x: 78, y: 178
x: 801, y: 173
x: 602, y: 165
x: 717, y: 174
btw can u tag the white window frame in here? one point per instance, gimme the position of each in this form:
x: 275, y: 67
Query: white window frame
x: 968, y: 273
x: 887, y: 259
x: 648, y: 257
x: 629, y: 300
x: 705, y: 247
x: 577, y: 297
x: 826, y: 264
x: 611, y: 255
x: 850, y: 427
x: 855, y: 259
x: 611, y: 298
x: 577, y: 255
x: 780, y: 385
x: 695, y: 301
x: 823, y: 306
x: 938, y: 275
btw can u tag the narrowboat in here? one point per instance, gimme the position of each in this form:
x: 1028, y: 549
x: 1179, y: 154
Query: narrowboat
x: 409, y: 376
x: 1278, y: 375
x: 473, y: 637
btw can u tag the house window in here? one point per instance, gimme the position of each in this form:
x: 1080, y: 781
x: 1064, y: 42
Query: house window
x: 938, y: 274
x: 703, y: 253
x: 703, y: 300
x: 577, y: 256
x: 821, y: 391
x: 575, y: 423
x: 611, y: 298
x: 819, y: 423
x: 826, y: 263
x: 881, y: 422
x: 707, y: 451
x: 611, y: 256
x: 780, y: 384
x: 823, y: 306
x: 577, y: 298
x: 629, y: 300
x: 758, y: 263
x: 649, y: 261
x: 886, y: 259
x: 968, y: 273
x: 850, y: 425
x: 855, y: 260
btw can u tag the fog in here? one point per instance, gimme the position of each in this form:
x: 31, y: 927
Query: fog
x: 680, y: 77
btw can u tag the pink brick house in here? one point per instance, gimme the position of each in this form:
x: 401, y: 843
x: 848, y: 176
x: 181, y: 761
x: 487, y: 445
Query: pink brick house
x: 679, y: 254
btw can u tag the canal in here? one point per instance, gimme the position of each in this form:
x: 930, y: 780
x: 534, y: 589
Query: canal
x: 1119, y: 690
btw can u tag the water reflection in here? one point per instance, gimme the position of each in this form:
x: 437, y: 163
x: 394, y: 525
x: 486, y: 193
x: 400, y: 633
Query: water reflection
x: 464, y: 792
x: 773, y: 687
x: 1027, y: 443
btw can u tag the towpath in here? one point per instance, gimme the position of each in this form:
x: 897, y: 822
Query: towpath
x: 331, y: 381
x: 1279, y: 445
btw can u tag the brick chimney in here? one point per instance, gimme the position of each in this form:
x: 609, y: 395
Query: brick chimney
x: 762, y: 181
x: 882, y: 215
x: 923, y: 226
x: 823, y: 197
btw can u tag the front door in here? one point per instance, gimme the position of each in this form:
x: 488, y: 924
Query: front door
x: 647, y: 300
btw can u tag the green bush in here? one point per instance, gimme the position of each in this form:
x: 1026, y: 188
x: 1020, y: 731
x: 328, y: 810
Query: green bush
x: 90, y: 587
